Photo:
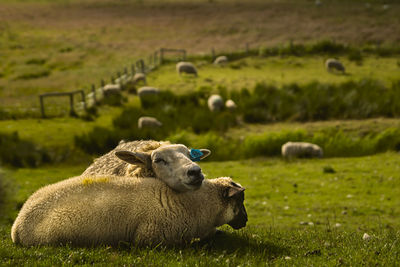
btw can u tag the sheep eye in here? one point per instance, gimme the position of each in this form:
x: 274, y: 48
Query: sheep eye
x: 159, y: 160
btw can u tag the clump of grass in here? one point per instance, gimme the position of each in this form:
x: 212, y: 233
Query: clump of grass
x: 36, y: 61
x: 21, y: 153
x: 355, y: 56
x: 328, y: 169
x: 31, y: 72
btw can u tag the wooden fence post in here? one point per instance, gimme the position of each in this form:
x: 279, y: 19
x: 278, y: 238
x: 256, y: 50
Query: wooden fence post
x: 83, y: 98
x: 42, y: 106
x: 102, y: 83
x: 71, y: 104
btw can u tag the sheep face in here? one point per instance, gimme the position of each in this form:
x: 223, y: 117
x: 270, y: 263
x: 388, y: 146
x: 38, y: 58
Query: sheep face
x: 171, y: 164
x: 234, y: 212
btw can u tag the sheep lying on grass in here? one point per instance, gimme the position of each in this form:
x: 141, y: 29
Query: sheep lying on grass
x: 139, y: 77
x: 301, y: 149
x: 172, y: 164
x: 186, y: 67
x: 148, y: 122
x: 147, y: 90
x: 88, y: 211
x: 221, y: 60
x: 215, y: 103
x: 112, y: 89
x: 334, y: 64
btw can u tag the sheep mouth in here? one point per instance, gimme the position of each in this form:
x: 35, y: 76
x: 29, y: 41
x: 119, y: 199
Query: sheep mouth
x: 196, y: 182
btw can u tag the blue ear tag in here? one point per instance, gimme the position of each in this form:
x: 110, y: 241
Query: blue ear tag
x: 195, y: 154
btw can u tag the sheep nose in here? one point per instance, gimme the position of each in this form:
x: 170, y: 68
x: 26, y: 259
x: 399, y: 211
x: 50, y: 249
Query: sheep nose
x: 194, y: 171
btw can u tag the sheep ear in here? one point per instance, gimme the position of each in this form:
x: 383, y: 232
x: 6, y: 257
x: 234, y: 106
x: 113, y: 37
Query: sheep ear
x: 134, y: 157
x: 205, y: 152
x: 233, y: 191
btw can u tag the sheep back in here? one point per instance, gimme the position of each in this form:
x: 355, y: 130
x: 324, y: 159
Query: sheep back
x: 215, y: 103
x: 186, y: 67
x: 332, y: 64
x: 108, y: 210
x: 301, y: 149
x: 109, y: 164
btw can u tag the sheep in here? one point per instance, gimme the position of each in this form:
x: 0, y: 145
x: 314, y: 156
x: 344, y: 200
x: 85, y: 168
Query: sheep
x: 172, y: 163
x: 186, y: 67
x: 139, y: 77
x: 215, y: 103
x: 146, y: 91
x: 230, y: 105
x: 106, y: 210
x: 221, y: 60
x: 112, y: 89
x: 301, y: 149
x: 148, y: 122
x: 334, y: 64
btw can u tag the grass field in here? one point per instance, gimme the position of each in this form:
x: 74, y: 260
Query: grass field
x: 278, y: 71
x: 305, y: 212
x: 51, y: 45
x: 298, y: 215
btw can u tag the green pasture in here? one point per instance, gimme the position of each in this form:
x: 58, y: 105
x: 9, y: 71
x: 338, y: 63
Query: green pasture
x: 303, y: 212
x: 277, y: 71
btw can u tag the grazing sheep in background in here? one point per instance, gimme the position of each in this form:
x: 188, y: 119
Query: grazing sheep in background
x: 112, y: 89
x: 230, y: 105
x: 221, y: 60
x: 148, y: 122
x: 172, y: 164
x: 186, y: 67
x: 215, y: 103
x: 146, y: 90
x: 301, y: 149
x: 139, y: 77
x: 87, y: 211
x: 334, y: 64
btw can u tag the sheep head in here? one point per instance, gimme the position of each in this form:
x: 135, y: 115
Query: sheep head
x: 233, y: 213
x: 171, y: 164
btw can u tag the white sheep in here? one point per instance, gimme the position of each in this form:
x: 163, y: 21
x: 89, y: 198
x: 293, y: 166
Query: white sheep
x: 215, y: 103
x: 334, y: 64
x: 146, y: 91
x: 230, y: 105
x: 221, y: 60
x: 103, y: 210
x: 139, y: 77
x: 171, y: 163
x: 186, y: 67
x: 148, y: 122
x: 112, y: 89
x: 301, y: 149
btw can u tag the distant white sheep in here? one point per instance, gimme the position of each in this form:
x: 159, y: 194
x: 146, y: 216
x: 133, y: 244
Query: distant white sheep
x: 139, y: 77
x: 186, y: 67
x: 87, y: 211
x: 221, y: 60
x: 171, y: 163
x: 148, y: 122
x: 112, y: 89
x: 215, y: 103
x: 301, y: 149
x: 334, y: 64
x: 146, y: 90
x: 230, y: 105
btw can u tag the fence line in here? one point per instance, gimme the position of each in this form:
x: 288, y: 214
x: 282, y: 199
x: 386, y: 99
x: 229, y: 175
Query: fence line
x: 155, y: 59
